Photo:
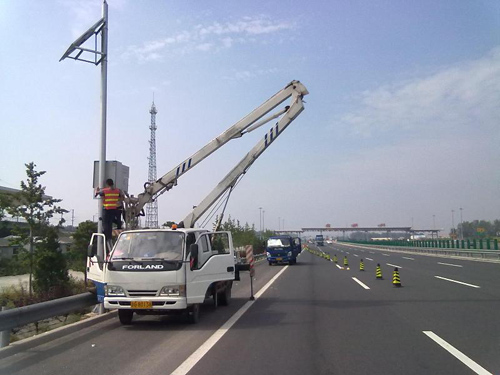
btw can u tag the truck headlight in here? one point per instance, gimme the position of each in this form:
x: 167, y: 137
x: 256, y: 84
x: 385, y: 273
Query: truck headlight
x: 173, y: 291
x: 114, y: 290
x: 289, y: 253
x: 268, y: 254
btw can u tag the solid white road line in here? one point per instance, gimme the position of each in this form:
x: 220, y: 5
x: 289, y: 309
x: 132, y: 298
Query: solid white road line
x: 408, y: 258
x: 458, y: 282
x: 360, y: 283
x: 386, y: 255
x: 457, y: 354
x: 451, y: 265
x: 369, y: 259
x: 199, y: 353
x: 393, y: 265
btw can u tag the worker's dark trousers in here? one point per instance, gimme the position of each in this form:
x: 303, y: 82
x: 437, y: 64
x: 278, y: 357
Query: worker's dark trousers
x: 108, y: 216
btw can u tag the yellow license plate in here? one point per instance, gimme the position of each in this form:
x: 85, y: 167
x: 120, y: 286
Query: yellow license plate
x: 279, y: 258
x: 141, y: 304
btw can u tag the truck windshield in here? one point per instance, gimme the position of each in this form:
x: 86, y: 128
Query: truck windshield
x: 278, y: 242
x: 144, y: 245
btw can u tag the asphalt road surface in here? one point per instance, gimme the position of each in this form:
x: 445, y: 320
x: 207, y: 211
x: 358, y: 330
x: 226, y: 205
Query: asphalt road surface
x: 314, y: 318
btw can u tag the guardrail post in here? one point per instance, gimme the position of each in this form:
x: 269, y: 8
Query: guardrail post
x: 474, y: 243
x: 481, y: 244
x: 4, y: 335
x: 495, y: 242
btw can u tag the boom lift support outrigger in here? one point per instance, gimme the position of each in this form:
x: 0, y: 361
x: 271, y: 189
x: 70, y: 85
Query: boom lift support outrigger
x: 295, y: 90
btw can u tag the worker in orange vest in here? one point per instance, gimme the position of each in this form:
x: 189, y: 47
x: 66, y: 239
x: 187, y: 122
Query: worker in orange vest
x: 112, y: 200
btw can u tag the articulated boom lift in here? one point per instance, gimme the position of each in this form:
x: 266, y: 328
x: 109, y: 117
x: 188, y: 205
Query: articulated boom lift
x: 295, y: 90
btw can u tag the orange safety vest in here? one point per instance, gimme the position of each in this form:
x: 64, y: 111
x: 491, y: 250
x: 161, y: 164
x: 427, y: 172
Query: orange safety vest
x: 111, y: 197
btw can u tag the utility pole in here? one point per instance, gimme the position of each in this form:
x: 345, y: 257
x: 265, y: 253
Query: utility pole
x: 263, y: 218
x: 72, y: 218
x: 279, y: 222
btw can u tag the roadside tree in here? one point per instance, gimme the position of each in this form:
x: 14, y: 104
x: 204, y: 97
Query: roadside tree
x: 36, y: 208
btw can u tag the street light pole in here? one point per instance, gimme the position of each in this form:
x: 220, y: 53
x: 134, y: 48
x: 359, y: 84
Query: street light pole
x: 461, y: 225
x: 453, y: 221
x: 279, y: 222
x: 263, y: 220
x: 104, y: 96
x: 76, y: 52
x: 260, y: 221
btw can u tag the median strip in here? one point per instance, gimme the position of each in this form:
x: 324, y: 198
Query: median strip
x: 457, y: 354
x: 458, y: 282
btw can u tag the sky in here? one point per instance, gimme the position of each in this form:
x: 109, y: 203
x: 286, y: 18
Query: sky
x: 401, y: 125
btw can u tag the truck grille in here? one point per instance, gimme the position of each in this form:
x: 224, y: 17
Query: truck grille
x: 142, y: 293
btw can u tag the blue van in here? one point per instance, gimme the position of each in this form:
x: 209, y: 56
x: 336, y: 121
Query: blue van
x: 281, y: 249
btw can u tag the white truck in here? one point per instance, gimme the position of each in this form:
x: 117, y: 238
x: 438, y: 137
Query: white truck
x: 160, y: 271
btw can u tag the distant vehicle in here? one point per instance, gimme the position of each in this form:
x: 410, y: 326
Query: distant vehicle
x: 329, y: 241
x: 281, y: 249
x: 320, y: 240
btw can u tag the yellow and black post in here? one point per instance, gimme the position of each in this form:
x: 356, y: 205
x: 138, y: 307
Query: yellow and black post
x: 346, y: 263
x: 361, y: 265
x: 335, y: 258
x: 379, y: 272
x: 396, y: 281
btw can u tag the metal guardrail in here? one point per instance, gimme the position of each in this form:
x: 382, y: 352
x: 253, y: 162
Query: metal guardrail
x: 39, y: 311
x: 469, y: 253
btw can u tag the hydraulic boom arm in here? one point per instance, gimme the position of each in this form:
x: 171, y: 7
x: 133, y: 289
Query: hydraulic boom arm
x: 232, y: 177
x: 294, y: 89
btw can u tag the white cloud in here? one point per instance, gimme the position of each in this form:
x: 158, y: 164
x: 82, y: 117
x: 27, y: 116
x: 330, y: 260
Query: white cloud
x: 245, y: 75
x: 451, y: 99
x: 83, y: 15
x: 204, y: 46
x: 212, y: 37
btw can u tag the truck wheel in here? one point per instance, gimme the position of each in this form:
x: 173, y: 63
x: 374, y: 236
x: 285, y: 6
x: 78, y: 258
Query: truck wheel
x: 225, y: 296
x: 125, y: 316
x: 193, y: 314
x: 270, y: 263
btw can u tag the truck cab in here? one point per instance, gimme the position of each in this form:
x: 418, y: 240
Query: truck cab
x: 161, y: 271
x: 281, y: 249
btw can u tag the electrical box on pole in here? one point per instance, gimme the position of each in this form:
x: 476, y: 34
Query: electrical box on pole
x: 115, y: 170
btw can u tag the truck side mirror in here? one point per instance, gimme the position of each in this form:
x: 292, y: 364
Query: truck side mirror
x: 193, y: 259
x: 92, y: 250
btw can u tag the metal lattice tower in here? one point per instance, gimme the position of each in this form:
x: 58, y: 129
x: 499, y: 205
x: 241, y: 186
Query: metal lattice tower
x: 152, y: 207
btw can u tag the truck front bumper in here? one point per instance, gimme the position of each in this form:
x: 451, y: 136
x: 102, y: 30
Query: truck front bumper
x: 145, y: 303
x: 283, y: 259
